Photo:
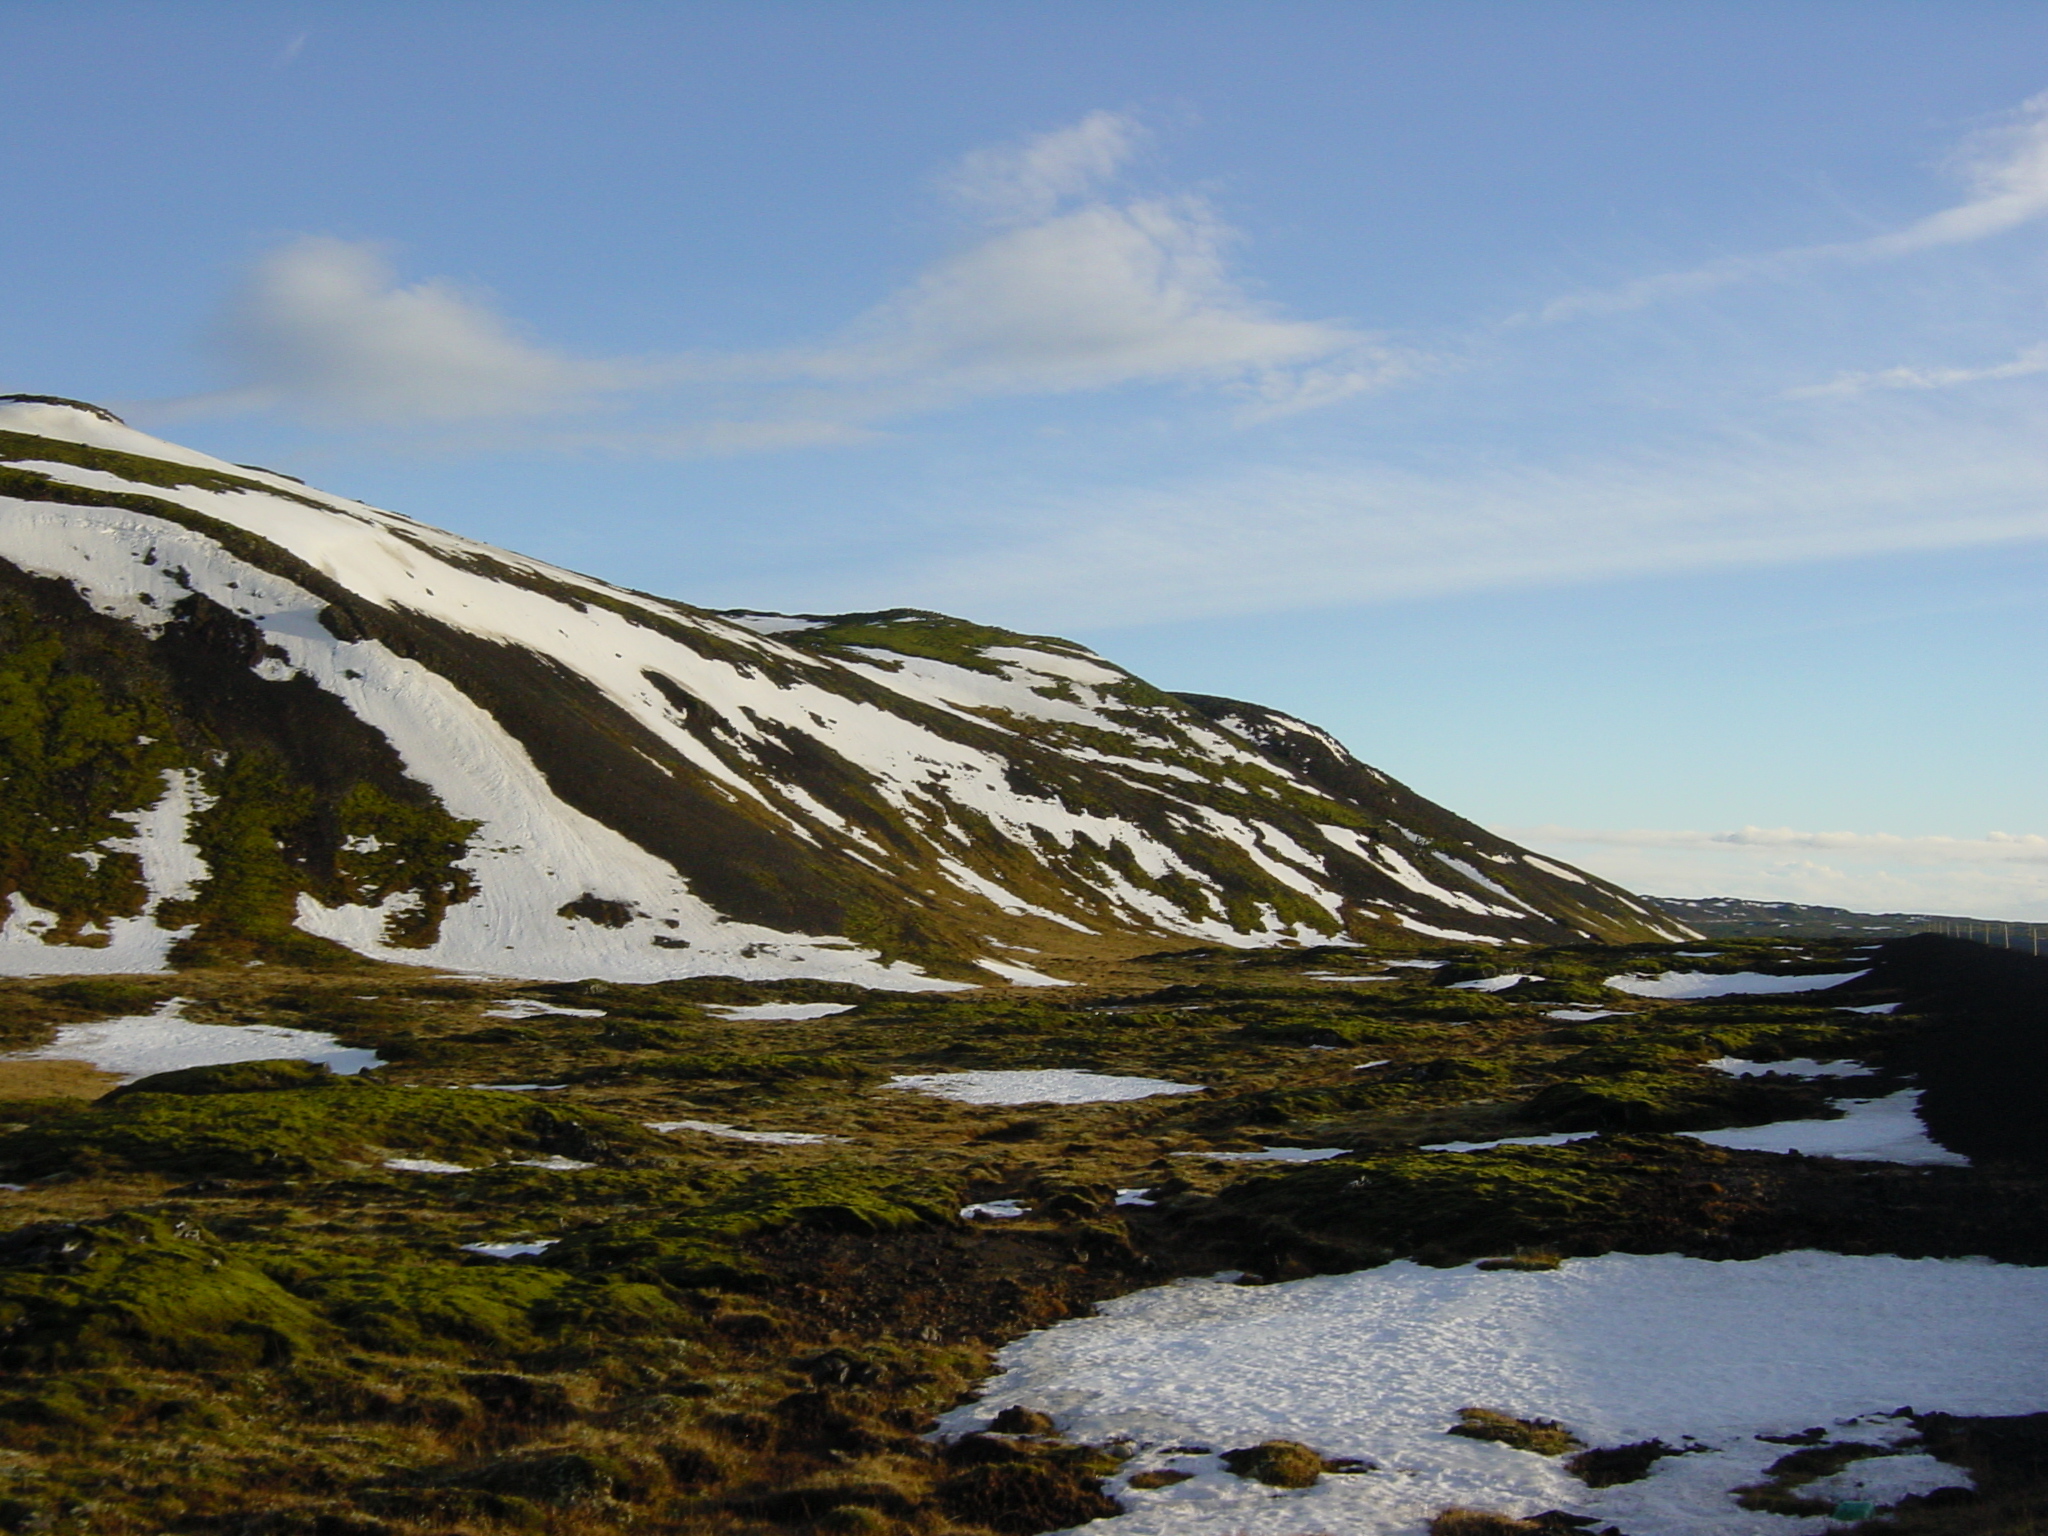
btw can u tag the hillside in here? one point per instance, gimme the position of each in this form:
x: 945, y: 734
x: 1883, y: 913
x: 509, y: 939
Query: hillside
x: 244, y: 720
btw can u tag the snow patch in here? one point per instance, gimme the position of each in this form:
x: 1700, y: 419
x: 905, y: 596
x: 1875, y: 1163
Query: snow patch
x: 165, y: 1041
x: 1054, y: 1086
x: 778, y: 1010
x: 1886, y: 1130
x: 1494, y: 983
x: 733, y: 1133
x: 1623, y: 1348
x: 1693, y: 984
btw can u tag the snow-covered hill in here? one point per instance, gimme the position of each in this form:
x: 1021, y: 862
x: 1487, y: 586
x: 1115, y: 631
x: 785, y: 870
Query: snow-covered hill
x: 240, y: 718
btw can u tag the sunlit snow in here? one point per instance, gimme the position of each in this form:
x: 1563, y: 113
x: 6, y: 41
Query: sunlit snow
x: 1054, y: 1086
x: 1692, y: 984
x: 1885, y: 1130
x: 733, y: 1133
x: 778, y: 1010
x: 1621, y: 1349
x: 166, y: 1041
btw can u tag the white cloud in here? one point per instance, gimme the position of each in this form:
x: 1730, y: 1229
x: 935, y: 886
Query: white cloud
x: 1999, y: 876
x: 2005, y: 170
x: 1061, y: 288
x: 1100, y: 295
x: 323, y: 325
x: 1023, y: 182
x: 2032, y: 360
x: 1277, y: 539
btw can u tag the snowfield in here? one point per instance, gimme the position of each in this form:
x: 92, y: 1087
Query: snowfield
x: 1620, y: 1349
x: 165, y: 1041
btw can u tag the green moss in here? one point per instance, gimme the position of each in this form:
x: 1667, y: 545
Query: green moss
x: 231, y: 1077
x: 916, y: 632
x: 79, y: 756
x: 1674, y: 1101
x: 139, y: 1289
x: 735, y: 1066
x: 388, y: 846
x: 1643, y: 1193
x: 298, y: 1132
x: 1546, y: 1437
x: 1277, y: 1463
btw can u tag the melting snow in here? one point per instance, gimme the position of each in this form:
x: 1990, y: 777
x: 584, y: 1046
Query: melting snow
x: 143, y: 1045
x: 731, y: 1133
x: 1586, y: 1015
x: 551, y: 1162
x: 1886, y: 1130
x: 1799, y: 1066
x: 509, y: 1250
x: 1055, y: 1086
x: 1000, y: 1210
x: 171, y: 870
x: 1874, y: 1008
x: 1622, y: 1348
x: 1494, y: 983
x: 1692, y: 984
x: 422, y: 1165
x: 778, y: 1010
x: 518, y: 1087
x: 1021, y: 975
x: 533, y: 1008
x: 1556, y: 1139
x: 1272, y: 1155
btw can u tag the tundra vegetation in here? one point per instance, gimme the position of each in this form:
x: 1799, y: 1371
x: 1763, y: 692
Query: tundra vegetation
x: 222, y: 1309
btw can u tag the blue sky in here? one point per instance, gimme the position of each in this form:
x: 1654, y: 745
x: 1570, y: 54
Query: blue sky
x: 1621, y: 422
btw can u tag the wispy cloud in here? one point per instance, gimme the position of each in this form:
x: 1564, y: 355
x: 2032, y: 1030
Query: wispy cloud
x: 2004, y: 170
x: 1062, y: 285
x: 1993, y: 848
x: 2032, y: 360
x: 1275, y: 539
x: 2000, y: 876
x: 324, y: 327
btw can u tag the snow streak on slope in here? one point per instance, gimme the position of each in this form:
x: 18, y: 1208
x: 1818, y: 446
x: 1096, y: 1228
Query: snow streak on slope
x: 662, y: 790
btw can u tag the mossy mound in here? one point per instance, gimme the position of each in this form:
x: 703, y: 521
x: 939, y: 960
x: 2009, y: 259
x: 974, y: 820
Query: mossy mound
x: 293, y: 1133
x: 1020, y: 1498
x: 1276, y: 1463
x: 1641, y: 1193
x: 135, y: 1289
x: 1675, y: 1101
x: 230, y: 1077
x: 1545, y: 1437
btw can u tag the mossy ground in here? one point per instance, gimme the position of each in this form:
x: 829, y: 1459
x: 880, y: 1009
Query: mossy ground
x: 220, y: 1311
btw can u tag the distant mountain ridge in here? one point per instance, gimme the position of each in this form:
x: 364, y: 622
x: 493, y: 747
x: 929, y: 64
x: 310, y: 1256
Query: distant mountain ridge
x: 241, y: 718
x: 1733, y: 917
